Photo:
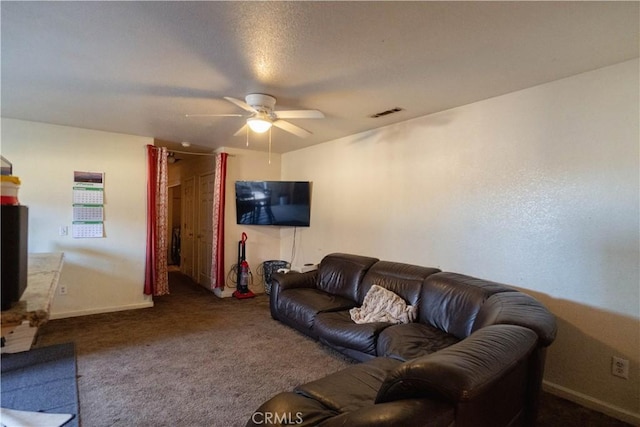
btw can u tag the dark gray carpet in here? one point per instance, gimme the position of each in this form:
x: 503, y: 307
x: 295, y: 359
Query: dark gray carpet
x: 193, y: 360
x: 41, y: 380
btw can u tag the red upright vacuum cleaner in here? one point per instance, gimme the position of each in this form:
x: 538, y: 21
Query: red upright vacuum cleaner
x: 242, y: 285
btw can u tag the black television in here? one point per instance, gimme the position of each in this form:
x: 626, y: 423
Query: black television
x: 286, y: 203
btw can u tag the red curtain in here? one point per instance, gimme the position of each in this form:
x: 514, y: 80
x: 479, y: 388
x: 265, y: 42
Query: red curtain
x: 217, y: 253
x: 156, y: 280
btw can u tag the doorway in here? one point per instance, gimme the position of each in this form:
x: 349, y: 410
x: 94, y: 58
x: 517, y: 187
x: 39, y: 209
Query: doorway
x: 190, y: 216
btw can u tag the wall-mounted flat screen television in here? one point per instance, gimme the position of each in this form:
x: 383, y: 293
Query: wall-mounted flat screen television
x: 286, y: 203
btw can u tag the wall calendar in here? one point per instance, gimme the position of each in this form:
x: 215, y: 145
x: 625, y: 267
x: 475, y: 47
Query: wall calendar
x: 88, y: 204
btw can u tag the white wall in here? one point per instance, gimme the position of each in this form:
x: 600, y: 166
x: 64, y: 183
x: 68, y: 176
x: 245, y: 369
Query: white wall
x: 538, y: 189
x: 104, y: 274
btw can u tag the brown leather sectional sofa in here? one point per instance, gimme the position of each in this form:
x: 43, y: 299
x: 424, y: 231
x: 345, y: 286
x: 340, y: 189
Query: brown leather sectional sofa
x: 474, y: 356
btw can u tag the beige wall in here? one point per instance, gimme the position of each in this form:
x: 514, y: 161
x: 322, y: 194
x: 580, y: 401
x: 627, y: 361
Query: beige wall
x: 537, y: 188
x: 103, y: 274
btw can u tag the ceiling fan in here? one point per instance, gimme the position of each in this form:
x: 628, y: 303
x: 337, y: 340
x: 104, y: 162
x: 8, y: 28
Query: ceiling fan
x: 262, y: 115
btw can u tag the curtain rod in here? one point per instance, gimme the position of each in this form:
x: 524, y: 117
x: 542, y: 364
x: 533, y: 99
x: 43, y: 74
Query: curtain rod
x: 197, y: 154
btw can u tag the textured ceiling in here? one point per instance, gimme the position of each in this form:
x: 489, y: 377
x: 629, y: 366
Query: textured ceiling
x: 139, y: 67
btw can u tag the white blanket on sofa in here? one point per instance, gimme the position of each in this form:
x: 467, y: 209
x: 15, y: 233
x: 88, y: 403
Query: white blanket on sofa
x: 382, y: 305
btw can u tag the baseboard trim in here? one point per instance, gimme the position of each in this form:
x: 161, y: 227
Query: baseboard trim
x: 88, y: 312
x: 592, y: 403
x: 226, y: 293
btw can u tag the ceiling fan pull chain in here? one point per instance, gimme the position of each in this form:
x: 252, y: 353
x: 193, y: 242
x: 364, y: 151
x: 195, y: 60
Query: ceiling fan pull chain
x: 269, y: 145
x: 247, y: 136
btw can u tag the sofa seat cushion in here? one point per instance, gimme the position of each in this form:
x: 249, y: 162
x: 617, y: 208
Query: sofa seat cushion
x: 337, y: 329
x: 408, y: 341
x: 302, y: 305
x: 352, y: 388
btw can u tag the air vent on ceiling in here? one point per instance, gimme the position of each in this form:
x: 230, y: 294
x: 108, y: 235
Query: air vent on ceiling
x: 386, y: 113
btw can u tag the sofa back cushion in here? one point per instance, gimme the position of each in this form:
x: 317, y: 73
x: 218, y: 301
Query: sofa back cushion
x: 451, y: 301
x: 341, y: 274
x: 404, y: 280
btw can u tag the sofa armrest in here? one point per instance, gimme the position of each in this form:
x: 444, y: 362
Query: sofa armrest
x: 464, y: 370
x: 517, y: 308
x: 295, y: 280
x: 281, y: 282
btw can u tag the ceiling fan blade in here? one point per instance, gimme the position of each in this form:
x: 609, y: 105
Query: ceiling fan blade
x: 291, y: 128
x: 300, y: 114
x: 243, y: 129
x: 213, y: 115
x: 240, y: 104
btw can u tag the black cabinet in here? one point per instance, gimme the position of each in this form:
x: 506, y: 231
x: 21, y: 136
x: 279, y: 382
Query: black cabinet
x: 14, y: 253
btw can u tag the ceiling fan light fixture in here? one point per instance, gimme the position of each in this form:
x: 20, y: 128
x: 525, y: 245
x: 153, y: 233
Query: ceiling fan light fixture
x: 259, y: 124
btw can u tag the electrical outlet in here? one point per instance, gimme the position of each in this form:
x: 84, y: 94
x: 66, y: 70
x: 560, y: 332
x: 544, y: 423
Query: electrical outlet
x: 620, y: 367
x: 62, y: 289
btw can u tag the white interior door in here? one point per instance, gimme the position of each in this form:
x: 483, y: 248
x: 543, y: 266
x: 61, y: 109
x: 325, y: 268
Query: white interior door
x: 204, y: 240
x: 187, y: 264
